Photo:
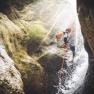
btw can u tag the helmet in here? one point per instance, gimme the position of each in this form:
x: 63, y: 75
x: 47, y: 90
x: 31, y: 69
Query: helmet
x: 68, y: 29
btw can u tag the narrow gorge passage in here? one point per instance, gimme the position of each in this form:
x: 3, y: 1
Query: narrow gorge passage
x: 44, y: 40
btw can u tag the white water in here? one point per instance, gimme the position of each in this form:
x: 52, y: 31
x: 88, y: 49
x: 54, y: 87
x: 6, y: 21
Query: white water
x: 57, y: 15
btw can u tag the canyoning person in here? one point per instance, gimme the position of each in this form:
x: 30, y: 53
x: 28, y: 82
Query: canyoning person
x: 62, y: 39
x: 71, y: 41
x: 59, y: 39
x: 66, y: 35
x: 69, y: 38
x: 65, y: 38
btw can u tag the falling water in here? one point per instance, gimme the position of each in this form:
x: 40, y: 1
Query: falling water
x: 57, y: 15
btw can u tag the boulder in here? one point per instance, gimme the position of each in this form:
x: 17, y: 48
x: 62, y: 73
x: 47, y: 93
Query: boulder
x: 10, y: 78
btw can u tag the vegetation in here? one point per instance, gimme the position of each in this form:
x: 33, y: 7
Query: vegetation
x: 21, y: 39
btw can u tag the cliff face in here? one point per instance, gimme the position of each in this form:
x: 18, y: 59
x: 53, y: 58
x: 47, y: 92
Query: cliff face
x: 18, y: 37
x: 86, y: 15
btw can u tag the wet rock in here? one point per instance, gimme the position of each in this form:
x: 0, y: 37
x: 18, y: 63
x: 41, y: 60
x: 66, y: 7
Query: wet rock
x: 51, y: 63
x: 32, y: 75
x: 10, y: 78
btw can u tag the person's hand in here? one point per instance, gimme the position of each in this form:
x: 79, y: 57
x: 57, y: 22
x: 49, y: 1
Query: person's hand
x: 65, y: 46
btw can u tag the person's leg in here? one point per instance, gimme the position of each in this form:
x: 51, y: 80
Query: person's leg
x: 73, y: 50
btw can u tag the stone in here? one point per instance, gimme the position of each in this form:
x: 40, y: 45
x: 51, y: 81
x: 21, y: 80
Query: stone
x: 10, y: 78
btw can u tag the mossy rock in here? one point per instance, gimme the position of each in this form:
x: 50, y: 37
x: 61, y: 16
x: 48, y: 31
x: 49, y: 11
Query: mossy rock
x: 33, y: 41
x: 32, y: 75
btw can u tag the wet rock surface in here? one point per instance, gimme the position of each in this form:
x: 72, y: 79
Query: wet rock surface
x: 86, y: 15
x: 51, y: 63
x: 10, y: 78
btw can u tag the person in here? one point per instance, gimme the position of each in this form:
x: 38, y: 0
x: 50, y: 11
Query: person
x: 59, y: 39
x: 71, y: 44
x: 62, y: 38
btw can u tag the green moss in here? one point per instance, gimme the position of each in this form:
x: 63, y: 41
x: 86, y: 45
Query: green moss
x: 19, y: 43
x: 37, y: 31
x: 34, y: 30
x: 34, y: 34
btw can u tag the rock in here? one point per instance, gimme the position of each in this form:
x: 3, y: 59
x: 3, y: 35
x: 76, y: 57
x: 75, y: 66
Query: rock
x: 48, y: 61
x: 18, y: 46
x: 32, y: 75
x: 10, y: 78
x: 51, y: 63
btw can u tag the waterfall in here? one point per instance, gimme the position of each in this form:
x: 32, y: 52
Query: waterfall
x: 58, y: 15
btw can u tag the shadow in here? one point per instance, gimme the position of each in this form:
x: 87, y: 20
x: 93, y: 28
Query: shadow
x: 51, y: 64
x: 3, y: 90
x: 19, y: 4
